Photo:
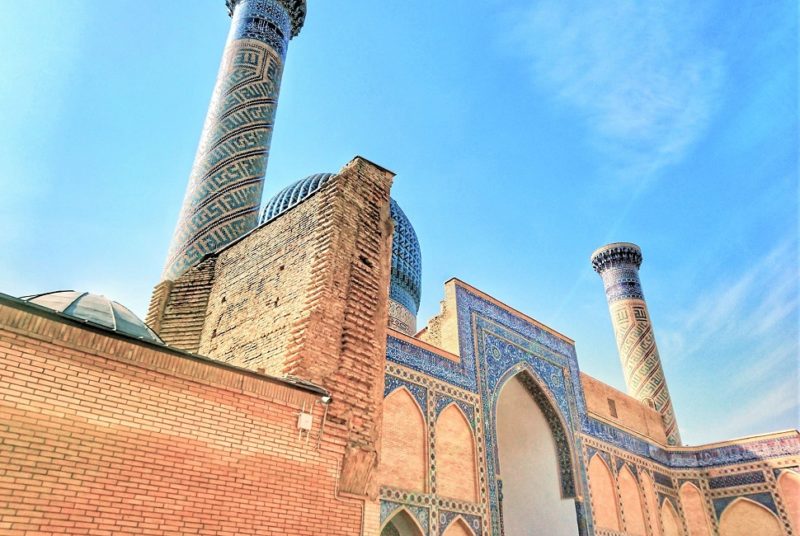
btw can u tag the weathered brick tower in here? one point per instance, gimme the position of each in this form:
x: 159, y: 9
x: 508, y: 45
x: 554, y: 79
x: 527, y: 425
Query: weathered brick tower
x: 227, y: 178
x: 618, y: 265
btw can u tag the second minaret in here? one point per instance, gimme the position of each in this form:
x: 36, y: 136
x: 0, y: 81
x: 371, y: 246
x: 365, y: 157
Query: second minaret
x: 618, y: 265
x: 224, y: 192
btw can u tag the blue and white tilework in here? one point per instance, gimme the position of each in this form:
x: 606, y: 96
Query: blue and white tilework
x: 446, y: 518
x: 420, y: 513
x: 419, y: 392
x: 741, y: 479
x: 442, y: 401
x: 496, y: 345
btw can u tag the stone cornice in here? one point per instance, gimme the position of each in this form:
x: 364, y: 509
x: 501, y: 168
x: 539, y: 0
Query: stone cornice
x: 295, y: 8
x: 616, y: 254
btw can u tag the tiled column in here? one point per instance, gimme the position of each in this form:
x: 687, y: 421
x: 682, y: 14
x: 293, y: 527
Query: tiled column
x: 618, y: 265
x: 224, y: 192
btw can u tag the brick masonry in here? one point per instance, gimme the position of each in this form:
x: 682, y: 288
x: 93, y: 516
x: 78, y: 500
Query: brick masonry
x: 304, y: 295
x: 104, y: 435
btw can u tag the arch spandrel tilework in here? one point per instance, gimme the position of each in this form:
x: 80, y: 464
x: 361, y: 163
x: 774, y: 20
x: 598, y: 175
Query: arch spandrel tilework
x: 420, y: 514
x: 446, y: 519
x: 419, y: 392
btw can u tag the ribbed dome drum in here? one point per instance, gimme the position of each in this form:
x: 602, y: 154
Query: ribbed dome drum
x: 406, y: 275
x: 95, y: 309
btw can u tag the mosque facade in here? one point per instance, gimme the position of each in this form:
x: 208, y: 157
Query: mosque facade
x: 280, y: 383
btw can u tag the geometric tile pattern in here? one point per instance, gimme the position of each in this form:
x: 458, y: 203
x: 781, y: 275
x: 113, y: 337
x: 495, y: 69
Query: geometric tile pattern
x: 406, y: 287
x: 227, y: 178
x: 764, y: 499
x: 419, y: 392
x: 442, y: 401
x: 662, y: 479
x: 504, y: 345
x: 420, y: 513
x: 295, y: 8
x: 740, y: 479
x: 293, y: 195
x: 618, y: 265
x: 445, y: 518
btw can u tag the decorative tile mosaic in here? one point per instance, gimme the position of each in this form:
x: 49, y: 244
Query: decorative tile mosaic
x: 619, y: 464
x: 296, y: 10
x: 419, y: 392
x: 741, y: 479
x: 442, y: 401
x: 420, y: 513
x: 662, y: 479
x: 265, y: 20
x: 759, y: 449
x: 505, y: 345
x: 764, y: 499
x: 227, y: 178
x: 672, y: 500
x: 604, y: 455
x: 711, y: 457
x: 406, y: 287
x: 496, y: 345
x: 446, y: 518
x: 460, y: 374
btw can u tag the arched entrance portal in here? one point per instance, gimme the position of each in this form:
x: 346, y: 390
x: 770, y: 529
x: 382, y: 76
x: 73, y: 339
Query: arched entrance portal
x: 401, y: 524
x: 530, y: 465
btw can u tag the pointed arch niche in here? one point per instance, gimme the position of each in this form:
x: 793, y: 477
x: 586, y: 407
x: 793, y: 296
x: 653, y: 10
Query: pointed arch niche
x: 401, y: 524
x: 652, y: 503
x: 403, y: 461
x: 789, y: 487
x: 744, y: 517
x: 458, y: 528
x: 631, y: 499
x: 535, y: 463
x: 604, y: 497
x: 456, y: 466
x: 672, y: 525
x: 694, y: 510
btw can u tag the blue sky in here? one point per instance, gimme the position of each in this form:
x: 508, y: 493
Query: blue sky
x: 524, y: 134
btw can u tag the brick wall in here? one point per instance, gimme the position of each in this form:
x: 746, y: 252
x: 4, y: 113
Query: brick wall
x: 307, y: 296
x: 631, y: 414
x: 404, y: 457
x: 178, y: 308
x: 103, y: 435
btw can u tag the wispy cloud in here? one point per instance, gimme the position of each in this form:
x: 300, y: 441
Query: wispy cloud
x: 639, y: 73
x: 745, y: 309
x: 775, y: 403
x: 743, y: 332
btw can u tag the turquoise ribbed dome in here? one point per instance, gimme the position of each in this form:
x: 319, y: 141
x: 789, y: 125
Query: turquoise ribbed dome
x: 406, y: 257
x: 294, y: 194
x: 95, y: 309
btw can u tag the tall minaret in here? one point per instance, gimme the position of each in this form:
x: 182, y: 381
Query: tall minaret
x: 618, y: 265
x: 224, y: 192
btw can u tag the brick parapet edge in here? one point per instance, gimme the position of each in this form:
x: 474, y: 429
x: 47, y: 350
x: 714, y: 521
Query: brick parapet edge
x: 52, y: 329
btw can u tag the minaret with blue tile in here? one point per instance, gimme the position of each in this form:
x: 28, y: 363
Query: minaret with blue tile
x: 224, y: 192
x: 618, y: 265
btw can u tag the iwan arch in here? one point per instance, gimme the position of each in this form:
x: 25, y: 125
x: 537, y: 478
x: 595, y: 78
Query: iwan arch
x: 282, y: 386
